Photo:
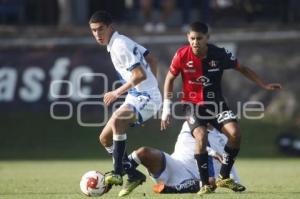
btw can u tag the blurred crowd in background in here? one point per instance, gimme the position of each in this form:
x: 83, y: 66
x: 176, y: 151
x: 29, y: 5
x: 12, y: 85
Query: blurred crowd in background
x: 151, y: 15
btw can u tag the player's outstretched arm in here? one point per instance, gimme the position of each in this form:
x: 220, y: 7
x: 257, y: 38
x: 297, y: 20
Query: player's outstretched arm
x: 151, y: 59
x: 168, y: 93
x: 250, y: 74
x: 138, y: 75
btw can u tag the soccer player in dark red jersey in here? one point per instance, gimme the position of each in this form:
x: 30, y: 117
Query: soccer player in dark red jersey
x: 201, y: 66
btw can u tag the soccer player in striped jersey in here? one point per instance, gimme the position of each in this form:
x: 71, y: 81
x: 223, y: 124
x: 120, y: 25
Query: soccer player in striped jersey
x: 201, y: 66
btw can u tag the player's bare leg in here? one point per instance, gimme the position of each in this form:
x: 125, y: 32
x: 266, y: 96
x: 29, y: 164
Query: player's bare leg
x: 106, y: 137
x: 118, y: 123
x: 231, y: 150
x: 233, y: 133
x: 151, y: 158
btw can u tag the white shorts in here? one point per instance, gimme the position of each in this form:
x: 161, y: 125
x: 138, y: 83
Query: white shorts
x: 174, y: 172
x: 145, y: 105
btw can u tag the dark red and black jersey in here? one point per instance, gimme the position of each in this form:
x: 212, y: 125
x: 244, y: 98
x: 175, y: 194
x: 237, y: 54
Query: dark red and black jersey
x: 202, y: 76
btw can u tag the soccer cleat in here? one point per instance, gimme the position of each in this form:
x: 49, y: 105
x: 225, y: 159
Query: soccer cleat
x: 230, y: 184
x: 132, y: 183
x: 158, y: 188
x: 162, y: 188
x: 108, y: 188
x: 113, y: 179
x: 206, y: 189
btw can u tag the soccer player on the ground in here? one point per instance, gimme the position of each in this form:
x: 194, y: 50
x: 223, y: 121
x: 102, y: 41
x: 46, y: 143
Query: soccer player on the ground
x: 136, y: 68
x: 178, y: 172
x: 201, y: 66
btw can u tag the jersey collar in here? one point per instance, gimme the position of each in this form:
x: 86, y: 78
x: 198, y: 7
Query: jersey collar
x: 111, y: 41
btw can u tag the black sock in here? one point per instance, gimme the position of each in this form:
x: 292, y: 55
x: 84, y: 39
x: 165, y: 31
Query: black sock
x: 119, y: 150
x: 129, y: 165
x: 202, y: 161
x: 228, y: 160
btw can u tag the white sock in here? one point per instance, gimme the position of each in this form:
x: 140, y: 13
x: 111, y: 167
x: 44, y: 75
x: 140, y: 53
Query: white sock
x: 135, y: 157
x: 110, y: 149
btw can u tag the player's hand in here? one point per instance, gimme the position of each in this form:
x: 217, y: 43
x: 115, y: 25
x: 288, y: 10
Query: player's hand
x: 218, y: 157
x: 165, y: 123
x: 166, y: 114
x: 273, y: 86
x: 110, y: 97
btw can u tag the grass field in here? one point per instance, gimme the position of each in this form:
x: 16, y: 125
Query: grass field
x: 264, y: 178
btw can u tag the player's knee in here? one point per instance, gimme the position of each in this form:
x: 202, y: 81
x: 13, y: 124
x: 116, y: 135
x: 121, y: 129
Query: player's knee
x: 119, y: 122
x: 115, y: 122
x: 235, y: 135
x: 199, y: 134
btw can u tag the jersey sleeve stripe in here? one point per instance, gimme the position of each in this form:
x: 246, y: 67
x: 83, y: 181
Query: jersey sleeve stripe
x: 146, y: 53
x: 133, y: 66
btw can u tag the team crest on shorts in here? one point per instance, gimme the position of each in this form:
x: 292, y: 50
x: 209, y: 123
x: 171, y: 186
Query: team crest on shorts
x: 212, y: 63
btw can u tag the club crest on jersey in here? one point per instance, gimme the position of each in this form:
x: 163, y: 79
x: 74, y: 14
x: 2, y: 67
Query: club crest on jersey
x: 212, y: 63
x: 213, y: 66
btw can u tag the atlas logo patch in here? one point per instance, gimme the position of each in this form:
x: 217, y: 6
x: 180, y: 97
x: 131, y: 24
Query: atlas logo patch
x: 212, y: 63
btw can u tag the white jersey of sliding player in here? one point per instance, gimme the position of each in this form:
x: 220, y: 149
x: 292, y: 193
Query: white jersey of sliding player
x: 185, y: 148
x: 126, y: 55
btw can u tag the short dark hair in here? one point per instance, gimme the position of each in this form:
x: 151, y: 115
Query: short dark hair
x: 101, y: 16
x: 199, y: 27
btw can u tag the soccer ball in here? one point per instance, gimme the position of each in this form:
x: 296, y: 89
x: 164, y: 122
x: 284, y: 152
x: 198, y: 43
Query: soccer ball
x: 92, y: 184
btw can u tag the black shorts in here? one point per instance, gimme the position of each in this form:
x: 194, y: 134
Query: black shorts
x: 200, y: 115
